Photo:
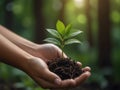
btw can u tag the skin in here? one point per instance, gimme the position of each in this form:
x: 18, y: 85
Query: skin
x: 23, y: 54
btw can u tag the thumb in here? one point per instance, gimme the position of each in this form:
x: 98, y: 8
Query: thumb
x: 51, y: 77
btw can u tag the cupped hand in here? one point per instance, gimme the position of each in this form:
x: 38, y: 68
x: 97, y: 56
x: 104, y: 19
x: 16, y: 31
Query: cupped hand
x: 48, y: 52
x: 46, y: 79
x: 38, y: 70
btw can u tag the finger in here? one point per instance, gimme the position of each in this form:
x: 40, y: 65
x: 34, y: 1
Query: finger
x: 79, y: 80
x: 86, y: 69
x: 45, y: 84
x: 60, y: 54
x: 64, y: 55
x: 51, y: 77
x: 79, y: 63
x: 68, y: 83
x: 65, y: 84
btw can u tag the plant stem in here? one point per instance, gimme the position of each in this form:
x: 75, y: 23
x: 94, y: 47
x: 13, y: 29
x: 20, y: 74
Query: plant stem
x: 62, y: 40
x: 62, y: 46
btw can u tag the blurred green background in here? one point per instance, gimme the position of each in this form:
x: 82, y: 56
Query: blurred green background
x: 100, y: 48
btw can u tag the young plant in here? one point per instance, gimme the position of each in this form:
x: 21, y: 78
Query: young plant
x: 63, y: 35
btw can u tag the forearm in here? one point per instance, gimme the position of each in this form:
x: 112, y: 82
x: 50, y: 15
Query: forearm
x: 17, y: 40
x: 13, y: 55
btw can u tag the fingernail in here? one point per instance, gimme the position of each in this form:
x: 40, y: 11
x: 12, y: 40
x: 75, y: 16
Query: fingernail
x: 58, y: 81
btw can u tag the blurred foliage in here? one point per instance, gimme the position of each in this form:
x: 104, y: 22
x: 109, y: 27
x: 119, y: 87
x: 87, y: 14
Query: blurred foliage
x: 24, y: 25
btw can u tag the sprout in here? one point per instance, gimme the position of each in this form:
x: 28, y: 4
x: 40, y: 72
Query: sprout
x: 64, y: 35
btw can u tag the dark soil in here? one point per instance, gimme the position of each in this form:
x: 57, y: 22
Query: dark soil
x: 65, y: 68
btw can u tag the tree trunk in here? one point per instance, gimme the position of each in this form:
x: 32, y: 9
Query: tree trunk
x: 39, y: 21
x: 8, y: 13
x: 104, y: 45
x: 104, y: 34
x: 62, y: 11
x: 89, y: 30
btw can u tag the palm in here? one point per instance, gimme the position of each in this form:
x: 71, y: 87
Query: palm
x: 48, y: 52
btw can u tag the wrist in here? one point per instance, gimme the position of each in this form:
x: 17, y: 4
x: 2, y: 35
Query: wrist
x: 25, y: 66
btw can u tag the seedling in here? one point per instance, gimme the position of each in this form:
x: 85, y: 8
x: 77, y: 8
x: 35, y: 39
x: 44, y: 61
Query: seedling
x: 65, y: 68
x: 63, y: 35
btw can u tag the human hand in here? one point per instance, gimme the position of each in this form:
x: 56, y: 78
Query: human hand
x: 38, y: 70
x: 48, y: 52
x: 36, y: 67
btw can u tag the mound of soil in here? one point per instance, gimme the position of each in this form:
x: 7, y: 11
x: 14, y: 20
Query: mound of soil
x: 65, y: 68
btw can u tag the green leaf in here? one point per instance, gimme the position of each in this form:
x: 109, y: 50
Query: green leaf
x: 68, y: 29
x: 71, y: 41
x: 72, y: 34
x: 60, y: 27
x: 52, y: 40
x: 63, y: 35
x: 54, y: 33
